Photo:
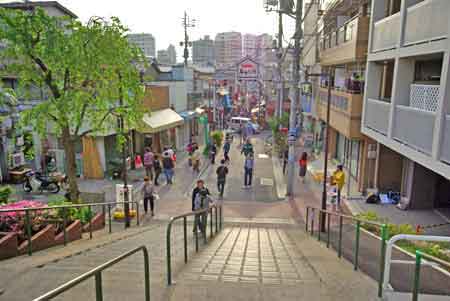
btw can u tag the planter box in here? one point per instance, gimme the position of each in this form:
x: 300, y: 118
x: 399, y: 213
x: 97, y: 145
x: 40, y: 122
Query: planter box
x: 42, y: 240
x: 74, y: 231
x: 8, y: 245
x: 98, y: 223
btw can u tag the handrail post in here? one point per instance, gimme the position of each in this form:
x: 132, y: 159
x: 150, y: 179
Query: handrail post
x: 90, y: 222
x: 384, y: 234
x: 196, y: 220
x: 64, y: 225
x: 146, y: 274
x: 210, y: 222
x: 328, y: 217
x: 307, y: 219
x: 358, y: 226
x: 215, y: 214
x: 417, y: 276
x: 320, y: 223
x: 28, y: 228
x: 137, y: 213
x: 313, y: 211
x: 109, y: 218
x: 169, y: 266
x: 341, y: 221
x: 98, y: 287
x: 220, y: 216
x: 185, y: 239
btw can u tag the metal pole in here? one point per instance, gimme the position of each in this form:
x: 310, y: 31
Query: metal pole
x: 384, y: 234
x: 325, y: 163
x: 341, y: 221
x: 307, y: 219
x: 168, y: 255
x: 65, y: 225
x: 280, y: 67
x: 358, y: 227
x: 328, y: 229
x: 185, y: 239
x: 98, y: 287
x: 186, y: 39
x: 28, y: 229
x: 417, y: 276
x: 296, y: 100
x: 109, y: 218
x: 90, y: 223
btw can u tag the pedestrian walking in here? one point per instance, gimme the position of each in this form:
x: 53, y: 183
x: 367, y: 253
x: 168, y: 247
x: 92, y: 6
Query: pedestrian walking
x: 149, y: 157
x: 200, y: 200
x: 157, y: 169
x: 338, y: 180
x: 248, y: 170
x: 168, y: 166
x: 285, y: 160
x: 148, y: 192
x: 226, y: 150
x: 213, y: 152
x: 222, y: 172
x: 195, y: 158
x: 303, y: 166
x: 247, y: 148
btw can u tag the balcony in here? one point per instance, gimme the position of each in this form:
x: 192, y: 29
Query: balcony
x: 386, y: 33
x: 347, y: 44
x: 345, y: 114
x: 415, y: 128
x: 424, y: 97
x: 427, y: 21
x: 445, y: 156
x: 377, y: 115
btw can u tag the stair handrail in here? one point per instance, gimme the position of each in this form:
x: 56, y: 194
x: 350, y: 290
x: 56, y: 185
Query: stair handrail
x: 217, y: 206
x: 97, y: 274
x: 418, y: 261
x: 65, y: 208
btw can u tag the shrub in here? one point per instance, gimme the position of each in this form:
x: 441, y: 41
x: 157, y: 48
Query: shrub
x: 5, y: 193
x: 217, y: 137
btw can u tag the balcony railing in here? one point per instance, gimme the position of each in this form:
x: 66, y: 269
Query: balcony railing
x: 377, y: 115
x: 386, y: 33
x: 427, y: 21
x: 415, y: 128
x: 424, y: 97
x: 446, y: 144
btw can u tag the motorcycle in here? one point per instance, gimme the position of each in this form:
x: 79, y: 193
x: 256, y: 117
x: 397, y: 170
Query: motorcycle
x: 34, y: 181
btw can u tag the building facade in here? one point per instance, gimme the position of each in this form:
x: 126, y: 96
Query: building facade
x: 407, y: 104
x: 250, y: 46
x: 145, y: 41
x: 172, y: 54
x: 203, y: 52
x: 163, y: 57
x: 228, y: 49
x: 342, y: 52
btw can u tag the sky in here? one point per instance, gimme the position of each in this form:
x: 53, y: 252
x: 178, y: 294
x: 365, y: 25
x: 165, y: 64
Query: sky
x: 163, y: 18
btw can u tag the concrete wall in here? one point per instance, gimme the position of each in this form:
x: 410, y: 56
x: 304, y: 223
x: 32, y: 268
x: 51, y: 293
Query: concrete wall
x: 390, y: 167
x: 423, y: 191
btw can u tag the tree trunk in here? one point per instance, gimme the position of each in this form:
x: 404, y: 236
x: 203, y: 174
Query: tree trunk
x: 69, y: 149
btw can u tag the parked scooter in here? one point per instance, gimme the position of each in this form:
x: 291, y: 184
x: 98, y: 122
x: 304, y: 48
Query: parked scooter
x: 35, y: 181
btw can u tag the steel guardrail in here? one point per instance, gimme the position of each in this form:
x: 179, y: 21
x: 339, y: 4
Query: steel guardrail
x: 218, y: 226
x: 97, y: 274
x: 64, y: 209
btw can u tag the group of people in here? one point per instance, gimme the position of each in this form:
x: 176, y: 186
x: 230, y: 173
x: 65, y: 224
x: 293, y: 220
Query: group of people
x: 154, y: 165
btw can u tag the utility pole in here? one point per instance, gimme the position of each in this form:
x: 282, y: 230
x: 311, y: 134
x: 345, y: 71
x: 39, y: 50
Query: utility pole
x: 187, y: 22
x: 293, y: 114
x: 279, y: 108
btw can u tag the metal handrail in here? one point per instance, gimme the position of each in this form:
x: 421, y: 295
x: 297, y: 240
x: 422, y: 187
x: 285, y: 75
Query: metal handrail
x: 65, y: 208
x: 97, y: 273
x: 418, y: 261
x: 218, y: 226
x: 327, y: 214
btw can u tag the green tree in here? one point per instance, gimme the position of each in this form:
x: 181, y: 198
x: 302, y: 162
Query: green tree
x: 83, y: 69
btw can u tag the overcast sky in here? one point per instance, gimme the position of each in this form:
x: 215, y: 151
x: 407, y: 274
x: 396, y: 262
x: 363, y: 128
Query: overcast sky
x: 163, y: 18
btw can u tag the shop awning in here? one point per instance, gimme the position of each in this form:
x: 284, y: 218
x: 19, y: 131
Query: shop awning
x: 188, y: 115
x: 160, y: 121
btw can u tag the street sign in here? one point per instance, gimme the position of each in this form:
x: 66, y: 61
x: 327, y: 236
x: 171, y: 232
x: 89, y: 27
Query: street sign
x: 247, y: 69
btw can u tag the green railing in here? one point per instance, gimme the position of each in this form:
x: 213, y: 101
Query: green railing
x: 217, y: 207
x: 29, y: 211
x: 97, y: 274
x: 323, y: 227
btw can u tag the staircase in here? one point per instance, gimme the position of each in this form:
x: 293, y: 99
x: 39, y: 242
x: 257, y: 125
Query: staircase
x: 243, y: 262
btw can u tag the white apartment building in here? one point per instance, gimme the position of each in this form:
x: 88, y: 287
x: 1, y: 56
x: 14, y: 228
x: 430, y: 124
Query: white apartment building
x: 250, y: 43
x: 167, y: 56
x: 407, y: 99
x: 203, y: 51
x: 228, y: 48
x: 145, y: 41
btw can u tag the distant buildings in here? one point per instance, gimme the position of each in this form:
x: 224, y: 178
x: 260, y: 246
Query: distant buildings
x: 203, y: 52
x: 145, y: 41
x: 250, y: 45
x: 167, y: 57
x: 228, y: 48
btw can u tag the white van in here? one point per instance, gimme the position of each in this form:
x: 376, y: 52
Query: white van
x: 237, y: 123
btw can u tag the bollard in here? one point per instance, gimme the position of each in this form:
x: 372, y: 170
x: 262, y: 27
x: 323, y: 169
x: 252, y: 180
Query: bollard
x: 358, y: 227
x: 384, y: 236
x: 98, y: 287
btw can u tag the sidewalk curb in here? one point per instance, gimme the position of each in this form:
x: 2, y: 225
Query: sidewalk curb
x: 280, y: 184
